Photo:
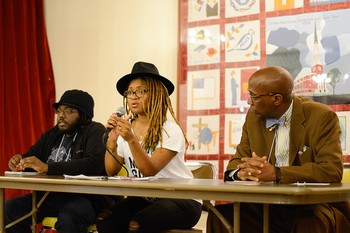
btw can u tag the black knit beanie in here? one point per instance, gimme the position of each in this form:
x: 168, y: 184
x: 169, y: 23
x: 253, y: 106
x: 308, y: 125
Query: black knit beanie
x: 81, y: 100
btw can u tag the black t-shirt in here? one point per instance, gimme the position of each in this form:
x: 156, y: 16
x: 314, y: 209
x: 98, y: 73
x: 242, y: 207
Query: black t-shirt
x: 61, y: 150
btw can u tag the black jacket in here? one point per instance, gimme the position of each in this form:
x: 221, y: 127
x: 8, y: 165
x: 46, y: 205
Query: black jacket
x: 87, y: 152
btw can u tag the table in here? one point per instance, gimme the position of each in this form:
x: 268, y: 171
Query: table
x: 183, y: 188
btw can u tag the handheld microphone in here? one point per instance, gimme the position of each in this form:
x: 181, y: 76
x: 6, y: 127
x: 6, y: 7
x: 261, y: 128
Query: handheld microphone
x: 120, y: 112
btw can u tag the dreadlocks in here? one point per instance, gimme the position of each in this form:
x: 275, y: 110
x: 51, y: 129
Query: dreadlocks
x: 156, y: 112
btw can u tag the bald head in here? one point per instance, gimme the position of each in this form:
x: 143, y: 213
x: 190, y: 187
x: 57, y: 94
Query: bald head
x: 273, y: 79
x: 270, y: 91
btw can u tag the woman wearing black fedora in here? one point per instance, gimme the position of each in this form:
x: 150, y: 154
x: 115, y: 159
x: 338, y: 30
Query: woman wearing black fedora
x: 149, y: 145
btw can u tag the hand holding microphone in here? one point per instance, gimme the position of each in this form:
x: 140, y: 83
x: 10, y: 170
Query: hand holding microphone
x: 111, y: 125
x: 120, y: 112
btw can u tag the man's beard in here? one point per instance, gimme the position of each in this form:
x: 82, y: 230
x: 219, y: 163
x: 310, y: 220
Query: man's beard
x: 71, y: 129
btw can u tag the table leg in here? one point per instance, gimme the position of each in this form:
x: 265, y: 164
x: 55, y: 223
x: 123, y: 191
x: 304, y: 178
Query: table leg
x: 34, y: 212
x: 236, y: 217
x: 2, y: 201
x: 31, y: 213
x: 266, y: 218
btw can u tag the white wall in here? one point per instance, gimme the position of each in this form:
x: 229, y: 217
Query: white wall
x: 95, y: 42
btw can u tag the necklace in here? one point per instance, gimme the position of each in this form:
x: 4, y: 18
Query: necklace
x: 59, y: 147
x: 141, y: 131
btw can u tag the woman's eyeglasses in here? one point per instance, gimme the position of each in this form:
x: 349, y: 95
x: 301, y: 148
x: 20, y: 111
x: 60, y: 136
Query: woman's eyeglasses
x: 139, y: 93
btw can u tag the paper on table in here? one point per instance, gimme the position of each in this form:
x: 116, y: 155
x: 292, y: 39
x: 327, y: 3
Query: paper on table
x: 249, y: 182
x: 84, y: 177
x: 132, y: 178
x: 11, y: 173
x: 309, y: 184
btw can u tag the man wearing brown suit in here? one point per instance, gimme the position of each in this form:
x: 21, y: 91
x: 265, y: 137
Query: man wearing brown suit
x: 286, y: 139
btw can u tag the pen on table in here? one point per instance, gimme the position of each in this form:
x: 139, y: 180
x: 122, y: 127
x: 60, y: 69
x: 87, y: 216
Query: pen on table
x: 301, y: 183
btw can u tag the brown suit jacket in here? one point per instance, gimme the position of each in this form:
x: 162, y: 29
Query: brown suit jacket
x: 315, y: 153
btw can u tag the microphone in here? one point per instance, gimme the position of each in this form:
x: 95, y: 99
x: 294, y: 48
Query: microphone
x: 120, y: 112
x: 273, y: 127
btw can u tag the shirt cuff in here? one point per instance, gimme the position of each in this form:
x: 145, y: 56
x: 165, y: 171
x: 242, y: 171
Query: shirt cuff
x: 231, y: 175
x: 278, y: 174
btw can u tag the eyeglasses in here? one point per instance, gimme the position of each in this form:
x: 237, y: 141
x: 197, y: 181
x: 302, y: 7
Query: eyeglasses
x: 66, y: 111
x: 139, y: 93
x: 257, y: 97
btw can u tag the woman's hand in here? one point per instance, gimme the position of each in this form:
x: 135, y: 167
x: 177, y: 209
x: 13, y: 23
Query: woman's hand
x: 124, y: 129
x: 119, y: 126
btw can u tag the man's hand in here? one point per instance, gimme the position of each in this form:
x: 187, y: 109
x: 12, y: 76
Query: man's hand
x: 34, y: 163
x: 256, y: 168
x: 14, y: 163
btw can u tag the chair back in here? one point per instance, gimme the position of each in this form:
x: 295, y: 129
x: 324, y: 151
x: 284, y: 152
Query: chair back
x: 346, y: 176
x: 202, y: 170
x: 122, y: 172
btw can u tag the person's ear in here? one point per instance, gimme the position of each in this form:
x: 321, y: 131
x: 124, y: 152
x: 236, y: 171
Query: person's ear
x: 278, y: 99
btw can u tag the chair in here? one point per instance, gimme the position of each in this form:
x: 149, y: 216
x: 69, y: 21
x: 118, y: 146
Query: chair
x: 48, y: 224
x: 346, y: 176
x: 205, y: 170
x: 200, y: 170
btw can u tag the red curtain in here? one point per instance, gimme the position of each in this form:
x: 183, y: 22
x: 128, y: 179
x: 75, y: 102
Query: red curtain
x: 26, y: 79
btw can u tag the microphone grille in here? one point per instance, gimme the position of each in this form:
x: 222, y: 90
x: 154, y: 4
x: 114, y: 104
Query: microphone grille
x: 120, y: 111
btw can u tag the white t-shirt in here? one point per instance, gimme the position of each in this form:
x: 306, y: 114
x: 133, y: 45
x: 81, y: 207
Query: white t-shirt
x: 173, y: 140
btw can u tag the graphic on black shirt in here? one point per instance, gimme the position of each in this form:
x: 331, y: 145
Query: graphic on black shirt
x: 61, y: 151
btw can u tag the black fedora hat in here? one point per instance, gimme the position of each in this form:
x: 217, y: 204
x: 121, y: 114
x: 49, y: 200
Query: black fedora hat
x: 143, y: 69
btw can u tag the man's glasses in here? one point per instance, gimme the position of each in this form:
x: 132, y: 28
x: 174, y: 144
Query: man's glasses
x: 66, y: 111
x: 257, y: 97
x: 139, y: 93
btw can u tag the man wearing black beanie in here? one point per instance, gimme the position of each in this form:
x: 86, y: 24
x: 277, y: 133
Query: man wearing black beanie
x: 73, y: 146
